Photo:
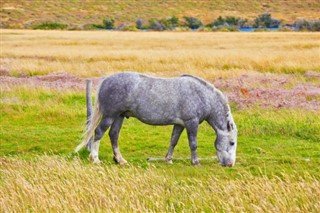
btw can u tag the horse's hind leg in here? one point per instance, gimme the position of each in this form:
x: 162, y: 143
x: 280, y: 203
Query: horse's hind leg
x: 114, y: 135
x: 104, y: 124
x: 176, y: 132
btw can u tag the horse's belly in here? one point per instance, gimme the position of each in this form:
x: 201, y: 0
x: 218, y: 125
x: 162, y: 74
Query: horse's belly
x: 155, y: 118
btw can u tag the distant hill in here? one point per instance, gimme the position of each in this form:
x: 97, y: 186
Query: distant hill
x: 24, y: 13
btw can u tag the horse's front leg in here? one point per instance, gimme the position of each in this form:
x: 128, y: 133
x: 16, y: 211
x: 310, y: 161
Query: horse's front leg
x: 176, y: 132
x: 192, y: 130
x: 114, y: 136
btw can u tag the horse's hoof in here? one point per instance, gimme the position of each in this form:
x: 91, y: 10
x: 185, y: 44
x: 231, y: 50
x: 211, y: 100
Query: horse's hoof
x: 123, y: 162
x: 196, y: 163
x: 120, y: 161
x: 94, y: 160
x: 97, y: 161
x: 169, y: 161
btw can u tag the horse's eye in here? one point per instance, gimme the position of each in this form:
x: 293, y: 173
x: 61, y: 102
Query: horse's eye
x: 231, y: 143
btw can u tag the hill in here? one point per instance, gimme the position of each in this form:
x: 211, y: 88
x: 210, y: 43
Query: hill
x: 22, y: 14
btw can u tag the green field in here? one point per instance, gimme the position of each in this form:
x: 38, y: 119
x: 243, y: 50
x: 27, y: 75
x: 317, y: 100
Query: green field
x: 278, y: 155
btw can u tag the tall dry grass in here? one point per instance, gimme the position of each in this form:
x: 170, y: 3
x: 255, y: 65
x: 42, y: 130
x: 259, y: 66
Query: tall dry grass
x: 208, y: 55
x: 53, y: 184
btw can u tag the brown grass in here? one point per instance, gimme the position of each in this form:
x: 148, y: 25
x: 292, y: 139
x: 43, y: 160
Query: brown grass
x: 18, y: 13
x: 52, y: 184
x: 208, y: 55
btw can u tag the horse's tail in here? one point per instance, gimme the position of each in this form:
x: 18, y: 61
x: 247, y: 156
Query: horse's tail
x: 93, y: 123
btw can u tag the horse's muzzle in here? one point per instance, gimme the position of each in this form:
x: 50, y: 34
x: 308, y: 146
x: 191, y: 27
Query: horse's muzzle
x: 228, y: 163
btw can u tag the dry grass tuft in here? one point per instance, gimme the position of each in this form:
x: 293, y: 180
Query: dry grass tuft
x: 55, y: 184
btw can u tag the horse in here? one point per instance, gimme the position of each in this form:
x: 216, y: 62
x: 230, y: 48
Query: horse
x: 184, y: 102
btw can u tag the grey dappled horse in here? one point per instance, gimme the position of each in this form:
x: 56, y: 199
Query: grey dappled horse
x: 184, y: 102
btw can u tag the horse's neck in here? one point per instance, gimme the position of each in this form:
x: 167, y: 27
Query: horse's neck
x: 220, y: 114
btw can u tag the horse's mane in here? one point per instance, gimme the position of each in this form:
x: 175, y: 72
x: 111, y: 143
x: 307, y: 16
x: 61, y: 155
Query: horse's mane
x: 209, y: 86
x: 223, y: 98
x: 205, y: 83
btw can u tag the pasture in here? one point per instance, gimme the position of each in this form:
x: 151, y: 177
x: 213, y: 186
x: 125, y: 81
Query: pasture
x: 43, y: 114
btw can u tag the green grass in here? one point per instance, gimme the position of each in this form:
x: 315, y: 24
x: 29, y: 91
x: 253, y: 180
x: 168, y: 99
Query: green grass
x: 38, y: 121
x: 277, y: 165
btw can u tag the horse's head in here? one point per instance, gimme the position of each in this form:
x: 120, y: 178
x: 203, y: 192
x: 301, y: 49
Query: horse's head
x: 226, y: 144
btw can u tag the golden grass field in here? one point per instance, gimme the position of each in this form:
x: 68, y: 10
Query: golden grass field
x: 208, y: 55
x: 75, y: 187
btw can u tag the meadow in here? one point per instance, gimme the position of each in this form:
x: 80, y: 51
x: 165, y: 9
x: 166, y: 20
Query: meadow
x: 278, y: 155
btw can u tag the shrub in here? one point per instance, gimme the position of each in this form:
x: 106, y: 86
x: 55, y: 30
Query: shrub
x: 230, y: 22
x: 108, y: 23
x: 218, y: 22
x: 51, y: 26
x: 266, y: 21
x: 164, y: 24
x: 192, y: 22
x: 155, y: 24
x: 173, y: 22
x: 302, y: 24
x: 139, y: 24
x: 243, y: 23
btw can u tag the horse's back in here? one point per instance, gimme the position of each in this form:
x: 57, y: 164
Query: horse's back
x: 153, y: 100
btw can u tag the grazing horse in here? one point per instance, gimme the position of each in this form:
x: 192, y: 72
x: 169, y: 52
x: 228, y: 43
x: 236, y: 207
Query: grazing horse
x: 183, y: 102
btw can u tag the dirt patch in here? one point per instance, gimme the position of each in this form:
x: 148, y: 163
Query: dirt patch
x: 57, y: 81
x: 272, y: 91
x: 262, y: 90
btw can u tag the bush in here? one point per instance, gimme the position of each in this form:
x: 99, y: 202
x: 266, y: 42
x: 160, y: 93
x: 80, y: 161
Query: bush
x: 164, y: 24
x: 139, y: 24
x: 230, y: 22
x: 243, y: 23
x: 51, y: 26
x: 155, y: 24
x: 218, y: 22
x: 307, y: 25
x: 192, y: 22
x: 266, y: 21
x: 108, y: 23
x: 172, y: 22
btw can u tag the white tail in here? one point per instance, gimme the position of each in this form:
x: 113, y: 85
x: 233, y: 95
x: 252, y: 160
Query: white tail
x: 93, y: 123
